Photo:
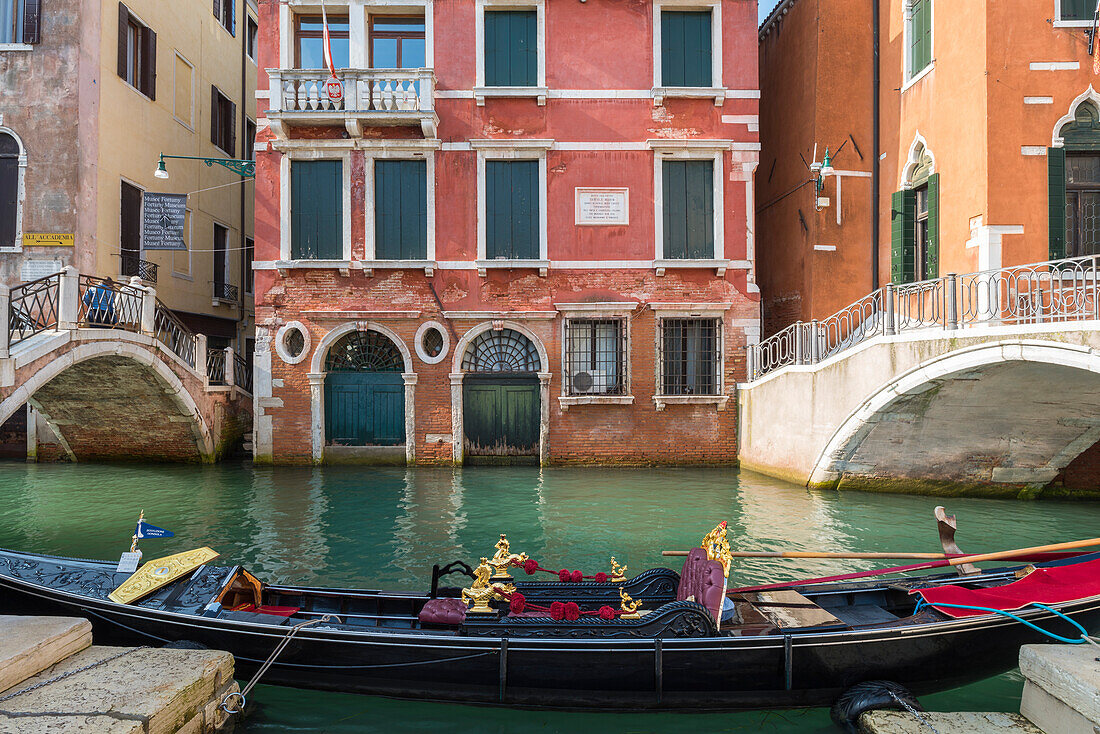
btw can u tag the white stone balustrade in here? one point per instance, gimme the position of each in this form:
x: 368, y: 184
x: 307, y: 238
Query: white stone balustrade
x: 365, y: 90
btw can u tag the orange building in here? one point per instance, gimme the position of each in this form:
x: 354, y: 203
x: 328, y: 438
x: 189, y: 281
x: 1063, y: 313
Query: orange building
x: 969, y: 141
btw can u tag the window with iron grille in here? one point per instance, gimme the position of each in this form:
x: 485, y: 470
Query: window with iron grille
x: 691, y: 356
x: 595, y: 357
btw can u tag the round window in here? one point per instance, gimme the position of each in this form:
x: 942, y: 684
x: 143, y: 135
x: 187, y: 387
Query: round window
x: 431, y: 342
x: 292, y: 342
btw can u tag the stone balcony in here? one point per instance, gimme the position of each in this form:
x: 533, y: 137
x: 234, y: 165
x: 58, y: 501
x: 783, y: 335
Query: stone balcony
x: 372, y: 98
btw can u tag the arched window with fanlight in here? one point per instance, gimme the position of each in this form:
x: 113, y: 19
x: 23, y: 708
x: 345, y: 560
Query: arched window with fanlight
x: 9, y: 190
x: 1073, y: 178
x: 364, y: 391
x: 914, y: 220
x: 501, y: 350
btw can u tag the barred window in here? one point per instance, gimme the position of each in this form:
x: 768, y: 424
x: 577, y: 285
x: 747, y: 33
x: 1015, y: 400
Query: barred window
x: 690, y: 356
x: 595, y: 357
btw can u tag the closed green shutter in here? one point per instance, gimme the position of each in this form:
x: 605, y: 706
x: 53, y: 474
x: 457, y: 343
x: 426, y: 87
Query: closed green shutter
x: 316, y: 210
x: 401, y: 210
x: 511, y: 48
x: 1056, y: 211
x: 932, y: 248
x: 685, y: 49
x: 903, y: 206
x: 688, y: 193
x: 511, y: 210
x: 920, y: 36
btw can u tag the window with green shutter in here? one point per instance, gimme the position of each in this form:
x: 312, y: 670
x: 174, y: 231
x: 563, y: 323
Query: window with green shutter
x: 685, y: 48
x: 1076, y: 9
x: 920, y: 36
x: 931, y: 250
x: 1056, y: 210
x: 688, y: 193
x: 316, y: 210
x: 401, y: 210
x: 511, y: 48
x: 512, y: 210
x: 903, y: 217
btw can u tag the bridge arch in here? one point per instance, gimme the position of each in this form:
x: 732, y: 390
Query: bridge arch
x: 956, y: 419
x: 128, y: 348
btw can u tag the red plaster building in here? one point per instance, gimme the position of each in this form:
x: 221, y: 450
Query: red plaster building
x: 525, y: 231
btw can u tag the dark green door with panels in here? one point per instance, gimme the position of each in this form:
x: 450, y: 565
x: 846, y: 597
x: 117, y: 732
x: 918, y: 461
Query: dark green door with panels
x: 316, y: 210
x: 512, y: 210
x: 501, y: 415
x: 364, y: 391
x: 401, y: 210
x: 915, y: 232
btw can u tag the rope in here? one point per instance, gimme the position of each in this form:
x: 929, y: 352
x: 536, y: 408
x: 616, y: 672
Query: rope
x: 1068, y: 640
x: 912, y: 711
x: 65, y: 675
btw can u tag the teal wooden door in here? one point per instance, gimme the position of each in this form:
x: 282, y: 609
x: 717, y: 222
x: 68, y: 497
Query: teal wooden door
x: 501, y: 415
x: 365, y: 408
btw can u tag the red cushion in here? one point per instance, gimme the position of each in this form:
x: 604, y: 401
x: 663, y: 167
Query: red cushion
x: 703, y: 580
x: 443, y: 611
x: 276, y: 611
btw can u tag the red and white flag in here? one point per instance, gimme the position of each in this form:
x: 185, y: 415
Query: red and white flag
x: 333, y: 87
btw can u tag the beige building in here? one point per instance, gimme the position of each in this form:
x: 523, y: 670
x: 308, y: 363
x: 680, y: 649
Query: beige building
x: 91, y: 93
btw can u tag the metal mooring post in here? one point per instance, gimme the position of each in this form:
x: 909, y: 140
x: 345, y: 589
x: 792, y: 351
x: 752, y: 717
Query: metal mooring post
x: 798, y: 358
x: 815, y: 347
x: 750, y: 363
x: 888, y: 296
x: 952, y: 302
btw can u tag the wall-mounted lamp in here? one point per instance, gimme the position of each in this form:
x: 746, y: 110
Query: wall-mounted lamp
x: 243, y: 168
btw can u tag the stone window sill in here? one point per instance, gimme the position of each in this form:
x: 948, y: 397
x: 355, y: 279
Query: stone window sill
x: 428, y: 266
x: 719, y: 265
x: 919, y: 75
x: 664, y: 400
x: 718, y: 94
x: 16, y: 47
x: 538, y: 93
x: 483, y: 265
x: 283, y: 266
x: 569, y: 400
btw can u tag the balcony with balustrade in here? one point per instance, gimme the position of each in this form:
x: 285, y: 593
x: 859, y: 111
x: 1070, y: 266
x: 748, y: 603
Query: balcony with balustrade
x: 370, y: 98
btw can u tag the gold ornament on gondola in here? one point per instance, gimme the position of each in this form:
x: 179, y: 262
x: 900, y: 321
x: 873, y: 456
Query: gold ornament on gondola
x: 618, y: 573
x: 629, y: 605
x: 482, y: 591
x: 718, y: 547
x: 503, y: 560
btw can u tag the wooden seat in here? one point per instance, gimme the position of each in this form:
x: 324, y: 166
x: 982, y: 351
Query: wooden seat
x: 786, y: 608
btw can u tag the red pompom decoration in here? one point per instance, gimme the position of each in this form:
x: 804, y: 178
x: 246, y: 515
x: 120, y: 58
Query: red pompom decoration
x: 577, y: 577
x: 517, y: 603
x: 601, y: 578
x: 564, y: 576
x: 571, y: 611
x: 607, y: 613
x: 530, y: 566
x: 557, y: 610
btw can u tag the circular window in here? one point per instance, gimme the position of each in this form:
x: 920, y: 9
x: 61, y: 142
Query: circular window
x: 432, y: 342
x: 292, y: 342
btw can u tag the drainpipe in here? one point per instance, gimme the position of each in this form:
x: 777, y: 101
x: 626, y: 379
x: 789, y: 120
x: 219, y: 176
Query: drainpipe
x: 875, y: 142
x: 242, y: 29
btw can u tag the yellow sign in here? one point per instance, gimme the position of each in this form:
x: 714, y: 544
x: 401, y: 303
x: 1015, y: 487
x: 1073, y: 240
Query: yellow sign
x: 160, y: 572
x: 49, y: 239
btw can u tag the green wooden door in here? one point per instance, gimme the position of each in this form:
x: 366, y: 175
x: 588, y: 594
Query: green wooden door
x: 512, y: 210
x: 401, y: 210
x: 688, y: 209
x: 365, y: 408
x: 501, y: 415
x: 316, y: 210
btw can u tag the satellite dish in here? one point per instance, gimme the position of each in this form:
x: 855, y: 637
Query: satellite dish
x: 582, y: 381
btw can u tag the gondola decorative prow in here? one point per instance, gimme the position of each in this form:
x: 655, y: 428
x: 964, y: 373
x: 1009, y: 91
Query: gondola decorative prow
x: 160, y: 572
x: 629, y: 606
x: 947, y: 527
x: 618, y: 573
x: 484, y: 591
x: 504, y: 559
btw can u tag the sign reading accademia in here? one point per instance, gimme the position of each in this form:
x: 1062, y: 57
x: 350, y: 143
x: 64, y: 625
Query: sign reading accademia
x: 162, y: 226
x: 603, y: 206
x: 48, y: 239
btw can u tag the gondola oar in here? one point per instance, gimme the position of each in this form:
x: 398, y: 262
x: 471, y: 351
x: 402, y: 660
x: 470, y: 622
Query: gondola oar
x: 822, y: 554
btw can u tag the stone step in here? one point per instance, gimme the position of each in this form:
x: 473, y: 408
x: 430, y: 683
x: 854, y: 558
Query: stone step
x: 146, y: 691
x: 1062, y: 688
x: 29, y: 645
x: 900, y: 722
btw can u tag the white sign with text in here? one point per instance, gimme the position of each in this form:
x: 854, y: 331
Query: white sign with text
x: 604, y: 206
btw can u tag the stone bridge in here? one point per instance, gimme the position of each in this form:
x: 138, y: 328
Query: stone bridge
x: 985, y: 383
x: 115, y: 376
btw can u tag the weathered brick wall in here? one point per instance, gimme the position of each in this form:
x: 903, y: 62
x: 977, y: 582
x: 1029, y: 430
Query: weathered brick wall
x: 780, y: 312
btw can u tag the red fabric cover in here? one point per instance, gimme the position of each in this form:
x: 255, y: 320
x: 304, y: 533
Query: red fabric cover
x: 1044, y: 585
x: 448, y: 611
x: 276, y: 611
x: 703, y: 580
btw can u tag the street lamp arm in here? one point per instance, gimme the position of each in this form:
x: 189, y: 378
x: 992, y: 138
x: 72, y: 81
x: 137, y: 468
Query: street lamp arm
x: 243, y: 168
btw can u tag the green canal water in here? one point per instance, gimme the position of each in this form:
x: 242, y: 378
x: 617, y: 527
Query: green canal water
x: 386, y: 527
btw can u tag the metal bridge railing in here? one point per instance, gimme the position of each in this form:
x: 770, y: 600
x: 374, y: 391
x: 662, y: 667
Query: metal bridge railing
x: 33, y: 308
x: 1036, y: 293
x: 105, y: 304
x: 172, y: 333
x: 242, y: 373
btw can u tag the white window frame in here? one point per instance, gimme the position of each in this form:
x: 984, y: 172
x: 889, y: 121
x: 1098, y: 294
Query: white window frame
x: 20, y: 191
x: 907, y: 51
x: 481, y: 91
x: 189, y: 222
x: 664, y: 311
x: 359, y: 16
x: 621, y: 312
x: 306, y: 154
x: 699, y: 150
x: 516, y: 150
x: 407, y: 150
x: 189, y: 121
x: 1059, y: 23
x: 717, y: 88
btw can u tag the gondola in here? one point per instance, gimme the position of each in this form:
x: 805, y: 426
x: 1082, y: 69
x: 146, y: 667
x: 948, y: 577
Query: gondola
x: 657, y: 640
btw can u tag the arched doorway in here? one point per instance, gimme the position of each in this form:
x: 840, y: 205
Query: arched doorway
x: 364, y: 391
x: 501, y: 397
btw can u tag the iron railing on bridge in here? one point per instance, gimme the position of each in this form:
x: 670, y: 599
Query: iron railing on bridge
x: 215, y: 366
x: 1046, y: 292
x: 172, y: 333
x: 107, y: 304
x: 33, y: 307
x: 242, y: 373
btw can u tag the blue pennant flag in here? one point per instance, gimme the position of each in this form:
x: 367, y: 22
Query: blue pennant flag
x: 145, y: 530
